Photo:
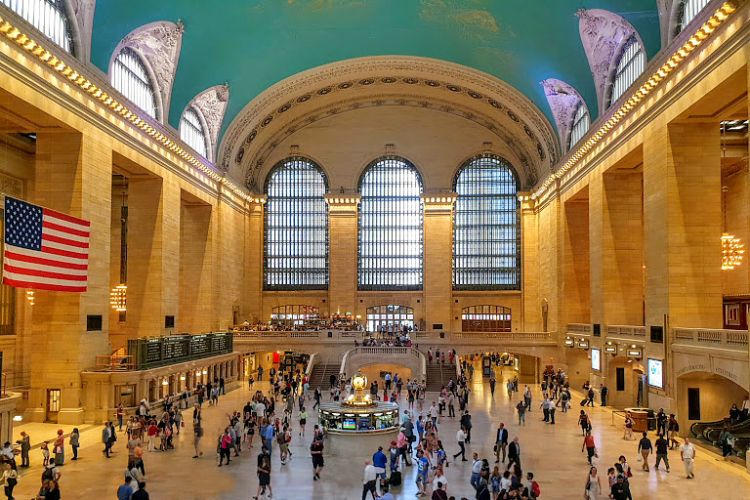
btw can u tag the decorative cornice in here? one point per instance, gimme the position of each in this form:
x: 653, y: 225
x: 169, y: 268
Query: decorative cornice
x: 82, y: 14
x: 563, y: 100
x: 377, y: 75
x: 159, y: 43
x: 212, y: 104
x: 603, y: 35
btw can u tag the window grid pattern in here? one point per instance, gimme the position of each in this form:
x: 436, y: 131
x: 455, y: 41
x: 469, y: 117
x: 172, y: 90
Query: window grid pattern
x: 48, y: 16
x: 296, y: 227
x: 486, y: 239
x: 192, y: 132
x: 130, y: 77
x: 630, y: 66
x: 390, y: 318
x: 294, y: 314
x: 485, y: 318
x: 390, y: 226
x: 690, y: 9
x: 581, y: 123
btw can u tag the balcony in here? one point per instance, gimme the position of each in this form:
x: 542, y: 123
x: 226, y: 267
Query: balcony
x: 704, y: 337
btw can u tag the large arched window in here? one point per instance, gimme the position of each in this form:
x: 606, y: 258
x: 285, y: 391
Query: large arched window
x: 389, y: 318
x: 631, y: 64
x: 390, y: 226
x: 581, y: 123
x: 486, y: 249
x: 193, y: 132
x: 48, y: 16
x: 296, y: 227
x: 131, y: 78
x: 689, y: 9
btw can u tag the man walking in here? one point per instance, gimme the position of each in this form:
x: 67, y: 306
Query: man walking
x: 662, y: 445
x: 603, y: 393
x: 476, y: 471
x: 687, y: 454
x: 645, y: 449
x: 514, y: 453
x: 492, y: 382
x: 527, y: 398
x: 521, y: 407
x: 461, y: 438
x: 501, y: 442
x: 25, y: 443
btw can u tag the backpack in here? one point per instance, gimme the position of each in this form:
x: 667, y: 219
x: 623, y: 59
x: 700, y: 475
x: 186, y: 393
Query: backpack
x: 48, y: 474
x: 536, y: 491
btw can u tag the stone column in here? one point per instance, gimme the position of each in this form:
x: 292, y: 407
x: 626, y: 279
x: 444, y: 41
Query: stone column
x: 438, y: 258
x: 74, y: 176
x: 153, y: 255
x: 342, y: 254
x: 253, y: 310
x: 576, y: 283
x: 616, y: 249
x: 683, y: 225
x: 196, y: 269
x: 534, y: 310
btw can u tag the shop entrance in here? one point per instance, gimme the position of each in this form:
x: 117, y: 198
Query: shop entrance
x: 53, y: 405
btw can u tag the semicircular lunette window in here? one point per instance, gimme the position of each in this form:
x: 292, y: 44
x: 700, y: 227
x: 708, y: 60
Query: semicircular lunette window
x: 192, y: 132
x: 390, y: 226
x: 296, y: 227
x: 630, y: 66
x: 486, y: 239
x: 48, y: 16
x: 130, y: 77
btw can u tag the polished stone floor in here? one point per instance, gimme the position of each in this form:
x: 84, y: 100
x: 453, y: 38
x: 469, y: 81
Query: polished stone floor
x: 553, y: 453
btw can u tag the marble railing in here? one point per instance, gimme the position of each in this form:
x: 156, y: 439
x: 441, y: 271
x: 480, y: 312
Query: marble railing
x: 353, y: 359
x: 708, y: 337
x: 579, y: 328
x: 626, y: 330
x: 429, y: 337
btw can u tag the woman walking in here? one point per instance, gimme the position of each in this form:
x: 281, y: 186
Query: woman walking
x: 10, y: 478
x: 593, y: 485
x: 59, y: 448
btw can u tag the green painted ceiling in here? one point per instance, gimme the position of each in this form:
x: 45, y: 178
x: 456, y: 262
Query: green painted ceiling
x: 252, y: 44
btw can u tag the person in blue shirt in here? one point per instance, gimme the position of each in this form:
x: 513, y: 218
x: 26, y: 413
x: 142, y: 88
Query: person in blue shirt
x: 379, y: 461
x: 125, y: 491
x: 268, y: 435
x: 423, y: 470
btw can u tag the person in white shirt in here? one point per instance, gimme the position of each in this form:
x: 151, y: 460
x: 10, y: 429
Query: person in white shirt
x: 440, y: 478
x: 434, y: 414
x: 461, y: 439
x: 476, y: 471
x: 368, y: 481
x: 687, y: 454
x: 7, y: 451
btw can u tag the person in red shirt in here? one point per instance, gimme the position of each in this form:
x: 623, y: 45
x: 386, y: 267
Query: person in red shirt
x: 589, y: 445
x: 225, y: 444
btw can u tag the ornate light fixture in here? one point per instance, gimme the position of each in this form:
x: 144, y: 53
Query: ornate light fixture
x: 118, y: 298
x: 30, y: 297
x: 732, y: 248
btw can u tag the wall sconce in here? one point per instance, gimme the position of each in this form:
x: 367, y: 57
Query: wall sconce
x: 30, y: 297
x: 583, y: 344
x: 610, y: 348
x: 165, y: 382
x: 205, y: 372
x: 569, y: 341
x: 118, y: 298
x: 634, y: 352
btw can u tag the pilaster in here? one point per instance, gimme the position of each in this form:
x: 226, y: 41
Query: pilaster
x: 342, y: 253
x: 438, y: 258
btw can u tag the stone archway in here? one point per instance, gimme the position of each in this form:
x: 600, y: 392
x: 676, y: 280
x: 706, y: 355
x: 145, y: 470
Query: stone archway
x: 713, y: 393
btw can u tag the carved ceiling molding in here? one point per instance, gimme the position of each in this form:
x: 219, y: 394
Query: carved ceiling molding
x: 211, y: 105
x: 159, y: 43
x: 377, y: 75
x: 603, y: 35
x: 564, y: 100
x: 81, y: 16
x: 258, y: 168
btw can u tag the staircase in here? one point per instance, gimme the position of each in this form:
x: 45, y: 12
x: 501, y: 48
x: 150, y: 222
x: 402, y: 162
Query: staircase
x: 321, y: 375
x: 438, y: 375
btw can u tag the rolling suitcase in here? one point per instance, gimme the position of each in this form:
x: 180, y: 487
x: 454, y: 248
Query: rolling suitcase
x: 395, y: 479
x: 583, y: 402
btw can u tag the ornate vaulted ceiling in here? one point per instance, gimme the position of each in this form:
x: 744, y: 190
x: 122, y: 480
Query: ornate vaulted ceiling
x: 253, y: 44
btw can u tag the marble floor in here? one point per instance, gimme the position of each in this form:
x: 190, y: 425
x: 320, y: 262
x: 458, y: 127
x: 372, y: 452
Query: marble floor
x: 553, y: 453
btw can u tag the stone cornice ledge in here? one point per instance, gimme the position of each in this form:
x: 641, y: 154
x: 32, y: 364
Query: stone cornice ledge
x: 581, y: 160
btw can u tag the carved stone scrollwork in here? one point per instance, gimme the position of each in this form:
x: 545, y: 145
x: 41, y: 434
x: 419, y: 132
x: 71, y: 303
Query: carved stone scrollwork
x: 82, y: 15
x: 212, y: 104
x: 564, y: 100
x: 159, y: 43
x: 603, y: 35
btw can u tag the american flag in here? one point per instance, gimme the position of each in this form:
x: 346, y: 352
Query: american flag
x: 44, y: 249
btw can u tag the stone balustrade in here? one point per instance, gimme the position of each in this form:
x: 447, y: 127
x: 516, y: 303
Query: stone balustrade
x: 579, y: 328
x: 626, y: 330
x: 707, y: 337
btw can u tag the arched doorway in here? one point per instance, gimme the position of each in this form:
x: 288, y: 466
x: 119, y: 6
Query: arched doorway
x: 703, y: 396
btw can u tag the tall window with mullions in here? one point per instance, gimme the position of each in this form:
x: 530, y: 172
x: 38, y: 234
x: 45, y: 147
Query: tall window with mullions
x: 486, y: 229
x: 296, y: 227
x: 390, y: 226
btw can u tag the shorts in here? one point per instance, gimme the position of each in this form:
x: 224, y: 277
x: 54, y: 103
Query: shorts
x: 264, y: 479
x: 318, y: 461
x: 302, y: 422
